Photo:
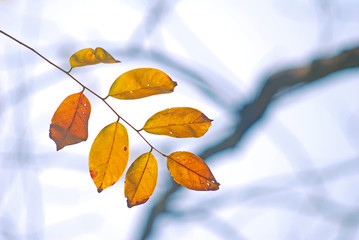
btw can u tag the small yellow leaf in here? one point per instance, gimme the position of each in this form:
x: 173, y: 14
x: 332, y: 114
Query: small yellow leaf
x: 191, y: 171
x: 103, y: 56
x: 88, y: 56
x: 109, y: 155
x: 179, y: 122
x: 69, y: 125
x: 141, y: 179
x: 140, y: 83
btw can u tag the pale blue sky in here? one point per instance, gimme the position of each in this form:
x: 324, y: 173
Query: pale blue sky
x: 232, y: 45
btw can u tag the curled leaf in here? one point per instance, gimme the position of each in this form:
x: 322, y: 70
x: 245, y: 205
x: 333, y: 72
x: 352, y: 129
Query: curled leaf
x: 69, y: 125
x: 141, y: 179
x: 191, y: 171
x: 88, y: 56
x: 140, y: 83
x: 109, y: 155
x: 179, y: 122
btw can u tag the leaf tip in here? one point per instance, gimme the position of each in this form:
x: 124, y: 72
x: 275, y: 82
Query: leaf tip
x: 99, y: 190
x: 59, y: 146
x: 216, y: 185
x: 212, y: 185
x: 131, y: 204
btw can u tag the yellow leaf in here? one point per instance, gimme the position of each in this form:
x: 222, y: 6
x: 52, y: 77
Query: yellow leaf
x: 140, y: 83
x: 109, y: 155
x: 69, y: 125
x: 179, y: 122
x: 88, y: 56
x: 141, y: 179
x: 191, y: 171
x: 103, y: 56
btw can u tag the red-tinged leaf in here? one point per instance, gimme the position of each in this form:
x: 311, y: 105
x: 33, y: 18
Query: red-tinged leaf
x: 88, y: 56
x: 109, y: 155
x: 69, y: 125
x: 141, y: 179
x: 191, y: 171
x: 140, y: 83
x: 179, y: 122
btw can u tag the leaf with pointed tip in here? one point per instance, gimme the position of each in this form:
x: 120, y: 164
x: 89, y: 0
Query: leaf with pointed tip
x: 140, y: 83
x: 109, y: 155
x: 179, y: 122
x: 191, y: 171
x: 141, y: 179
x: 88, y: 56
x: 69, y: 125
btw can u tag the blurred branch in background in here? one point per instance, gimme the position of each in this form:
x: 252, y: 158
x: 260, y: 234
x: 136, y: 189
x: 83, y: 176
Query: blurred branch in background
x: 304, y: 190
x: 250, y: 113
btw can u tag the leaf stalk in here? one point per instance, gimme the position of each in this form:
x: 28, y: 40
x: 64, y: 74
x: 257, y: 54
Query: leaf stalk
x: 84, y: 88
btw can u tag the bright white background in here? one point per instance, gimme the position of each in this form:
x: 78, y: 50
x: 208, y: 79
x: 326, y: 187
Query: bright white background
x: 232, y: 45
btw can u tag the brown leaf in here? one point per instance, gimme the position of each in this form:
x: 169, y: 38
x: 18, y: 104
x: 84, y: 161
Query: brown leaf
x: 69, y: 125
x: 191, y: 171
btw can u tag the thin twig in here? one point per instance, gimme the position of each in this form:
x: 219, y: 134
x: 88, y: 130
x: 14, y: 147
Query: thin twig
x: 84, y: 87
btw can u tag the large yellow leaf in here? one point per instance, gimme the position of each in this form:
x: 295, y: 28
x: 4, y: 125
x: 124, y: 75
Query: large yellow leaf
x: 141, y: 179
x: 88, y: 56
x: 109, y: 155
x: 69, y: 125
x: 191, y: 171
x: 140, y: 83
x: 179, y: 122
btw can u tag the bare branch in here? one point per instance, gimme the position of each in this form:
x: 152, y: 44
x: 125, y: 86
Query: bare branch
x: 249, y: 113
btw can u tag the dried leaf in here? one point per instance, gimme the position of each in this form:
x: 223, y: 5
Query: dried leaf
x: 69, y: 125
x: 109, y: 155
x: 140, y: 83
x: 141, y: 179
x: 191, y: 171
x: 88, y: 56
x: 179, y: 122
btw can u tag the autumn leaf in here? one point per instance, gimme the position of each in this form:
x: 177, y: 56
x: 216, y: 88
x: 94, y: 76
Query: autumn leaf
x: 88, y: 56
x: 141, y: 179
x: 191, y: 171
x: 69, y: 125
x: 140, y: 83
x: 103, y: 56
x: 179, y: 122
x: 109, y: 155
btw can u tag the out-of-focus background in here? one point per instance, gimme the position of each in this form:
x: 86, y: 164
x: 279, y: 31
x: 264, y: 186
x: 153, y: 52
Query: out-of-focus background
x: 293, y: 174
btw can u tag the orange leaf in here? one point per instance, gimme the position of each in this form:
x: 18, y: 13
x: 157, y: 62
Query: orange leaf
x: 179, y: 122
x: 140, y: 83
x: 88, y: 56
x: 69, y: 125
x: 109, y: 155
x: 191, y: 171
x: 141, y: 179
